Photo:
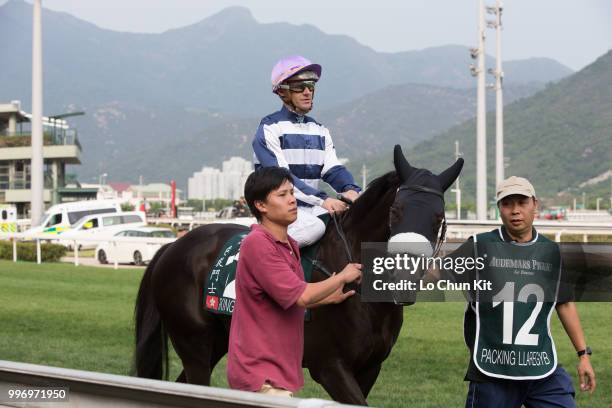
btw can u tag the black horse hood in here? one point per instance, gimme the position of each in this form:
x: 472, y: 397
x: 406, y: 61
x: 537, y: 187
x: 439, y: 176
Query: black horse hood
x: 418, y: 210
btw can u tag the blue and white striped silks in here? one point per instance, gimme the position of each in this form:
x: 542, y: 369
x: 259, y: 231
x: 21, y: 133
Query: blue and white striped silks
x: 305, y: 147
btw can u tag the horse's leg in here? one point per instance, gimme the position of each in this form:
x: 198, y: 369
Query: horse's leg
x: 194, y: 345
x: 220, y: 345
x: 366, y: 378
x: 195, y: 356
x: 339, y: 382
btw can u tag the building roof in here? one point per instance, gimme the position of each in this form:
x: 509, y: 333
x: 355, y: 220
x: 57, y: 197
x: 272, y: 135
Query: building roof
x: 119, y: 187
x: 152, y: 188
x: 12, y: 108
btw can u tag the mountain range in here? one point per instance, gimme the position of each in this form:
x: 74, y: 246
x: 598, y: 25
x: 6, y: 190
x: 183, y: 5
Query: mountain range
x: 364, y: 128
x: 163, y: 105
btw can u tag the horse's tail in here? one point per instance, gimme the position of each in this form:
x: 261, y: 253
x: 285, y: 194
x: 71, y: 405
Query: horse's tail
x: 151, y: 354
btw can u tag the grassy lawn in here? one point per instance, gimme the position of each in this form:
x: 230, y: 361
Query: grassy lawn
x: 82, y: 318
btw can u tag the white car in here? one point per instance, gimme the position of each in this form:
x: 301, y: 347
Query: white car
x: 137, y: 252
x: 229, y: 215
x: 101, y: 226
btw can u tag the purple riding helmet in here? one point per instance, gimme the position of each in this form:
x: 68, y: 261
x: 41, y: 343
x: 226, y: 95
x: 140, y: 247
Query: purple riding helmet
x: 290, y: 66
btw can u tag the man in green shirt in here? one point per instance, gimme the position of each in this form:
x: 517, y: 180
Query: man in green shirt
x: 513, y: 360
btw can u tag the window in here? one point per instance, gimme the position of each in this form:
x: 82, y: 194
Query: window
x: 21, y: 175
x: 54, y: 220
x: 121, y: 234
x: 91, y: 224
x: 110, y: 221
x: 74, y: 216
x: 132, y: 218
x: 4, y: 176
x: 4, y: 215
x: 162, y: 234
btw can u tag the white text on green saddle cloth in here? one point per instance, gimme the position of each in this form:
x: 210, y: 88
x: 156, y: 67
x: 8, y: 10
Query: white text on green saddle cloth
x: 513, y: 319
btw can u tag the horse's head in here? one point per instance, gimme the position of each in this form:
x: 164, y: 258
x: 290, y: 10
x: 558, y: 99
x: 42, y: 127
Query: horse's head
x: 417, y: 212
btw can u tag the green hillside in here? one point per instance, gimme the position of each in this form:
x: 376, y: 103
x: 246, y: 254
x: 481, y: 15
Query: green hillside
x: 558, y: 138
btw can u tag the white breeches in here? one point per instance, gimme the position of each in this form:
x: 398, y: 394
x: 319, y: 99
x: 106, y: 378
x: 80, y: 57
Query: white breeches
x: 308, y: 228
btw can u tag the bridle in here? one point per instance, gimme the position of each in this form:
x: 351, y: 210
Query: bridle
x: 441, y: 236
x: 417, y: 188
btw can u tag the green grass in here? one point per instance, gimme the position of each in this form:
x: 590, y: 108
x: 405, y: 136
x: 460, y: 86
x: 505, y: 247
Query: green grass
x: 81, y: 317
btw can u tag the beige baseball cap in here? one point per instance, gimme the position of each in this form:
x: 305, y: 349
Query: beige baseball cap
x: 515, y: 185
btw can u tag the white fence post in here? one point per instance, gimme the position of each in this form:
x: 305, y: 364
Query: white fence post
x: 39, y: 238
x: 76, y: 253
x: 38, y: 250
x: 116, y: 263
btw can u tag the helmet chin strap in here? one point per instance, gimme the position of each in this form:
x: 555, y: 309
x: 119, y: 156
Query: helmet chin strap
x: 287, y: 102
x: 293, y: 109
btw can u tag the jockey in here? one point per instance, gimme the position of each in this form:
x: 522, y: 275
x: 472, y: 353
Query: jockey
x: 288, y: 138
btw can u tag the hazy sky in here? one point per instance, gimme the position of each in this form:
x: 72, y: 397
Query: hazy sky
x: 574, y: 32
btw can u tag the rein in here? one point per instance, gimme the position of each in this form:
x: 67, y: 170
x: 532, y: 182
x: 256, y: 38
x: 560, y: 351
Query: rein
x: 318, y: 264
x: 417, y: 188
x: 342, y: 236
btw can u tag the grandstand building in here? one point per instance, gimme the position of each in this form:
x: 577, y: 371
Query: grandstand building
x: 60, y: 148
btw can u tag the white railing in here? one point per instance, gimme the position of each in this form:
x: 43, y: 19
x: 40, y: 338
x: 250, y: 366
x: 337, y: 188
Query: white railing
x: 93, y: 390
x: 196, y: 222
x: 465, y: 228
x: 20, y: 236
x: 176, y: 222
x: 459, y: 229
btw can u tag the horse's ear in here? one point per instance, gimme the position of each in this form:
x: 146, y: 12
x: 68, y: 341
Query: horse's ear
x: 448, y: 176
x: 402, y: 167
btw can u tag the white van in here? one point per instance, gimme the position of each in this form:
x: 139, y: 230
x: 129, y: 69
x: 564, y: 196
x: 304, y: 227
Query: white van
x: 61, y: 217
x: 102, y: 225
x: 8, y: 218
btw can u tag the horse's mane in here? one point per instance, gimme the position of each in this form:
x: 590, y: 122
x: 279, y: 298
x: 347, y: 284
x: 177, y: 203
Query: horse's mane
x: 373, y: 195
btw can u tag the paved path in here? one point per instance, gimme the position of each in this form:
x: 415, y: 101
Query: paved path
x: 94, y: 262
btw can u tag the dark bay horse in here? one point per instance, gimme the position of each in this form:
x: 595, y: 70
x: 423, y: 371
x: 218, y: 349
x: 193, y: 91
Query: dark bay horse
x: 345, y: 344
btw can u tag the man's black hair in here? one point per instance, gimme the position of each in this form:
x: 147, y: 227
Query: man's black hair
x: 262, y: 182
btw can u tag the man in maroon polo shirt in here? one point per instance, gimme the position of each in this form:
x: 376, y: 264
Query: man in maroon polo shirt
x: 266, y: 341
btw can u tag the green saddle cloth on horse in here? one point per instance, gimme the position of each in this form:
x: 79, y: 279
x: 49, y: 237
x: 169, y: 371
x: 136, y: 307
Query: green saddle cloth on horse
x: 220, y: 288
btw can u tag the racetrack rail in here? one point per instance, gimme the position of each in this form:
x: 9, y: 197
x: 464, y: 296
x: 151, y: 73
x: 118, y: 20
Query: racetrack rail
x: 89, y: 389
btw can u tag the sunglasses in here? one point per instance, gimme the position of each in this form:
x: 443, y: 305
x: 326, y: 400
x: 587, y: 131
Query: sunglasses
x: 299, y: 86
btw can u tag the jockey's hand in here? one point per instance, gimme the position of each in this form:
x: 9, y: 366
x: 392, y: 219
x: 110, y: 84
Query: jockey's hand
x: 332, y: 205
x: 351, y: 195
x: 351, y: 273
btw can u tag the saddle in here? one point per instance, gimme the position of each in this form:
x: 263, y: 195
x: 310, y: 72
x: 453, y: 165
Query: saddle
x: 220, y: 287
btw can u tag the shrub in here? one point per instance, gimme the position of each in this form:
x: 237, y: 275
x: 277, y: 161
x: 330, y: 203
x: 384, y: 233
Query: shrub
x: 26, y: 251
x: 127, y: 207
